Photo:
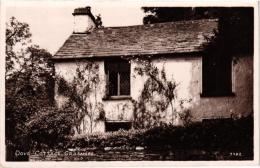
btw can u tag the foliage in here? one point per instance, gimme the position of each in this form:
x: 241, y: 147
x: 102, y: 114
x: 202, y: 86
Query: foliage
x: 157, y: 95
x: 27, y: 91
x: 232, y: 21
x: 185, y: 114
x: 166, y: 14
x: 17, y: 34
x: 82, y: 94
x: 28, y: 82
x: 130, y: 138
x: 216, y: 135
x: 50, y: 126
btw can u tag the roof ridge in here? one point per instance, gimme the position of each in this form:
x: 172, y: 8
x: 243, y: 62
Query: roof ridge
x: 174, y: 22
x: 152, y: 25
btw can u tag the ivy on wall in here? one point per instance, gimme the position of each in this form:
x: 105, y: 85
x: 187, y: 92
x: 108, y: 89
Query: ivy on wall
x: 159, y: 94
x: 82, y: 95
x: 150, y: 109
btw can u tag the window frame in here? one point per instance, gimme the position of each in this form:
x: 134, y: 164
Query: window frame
x: 118, y: 95
x: 218, y: 91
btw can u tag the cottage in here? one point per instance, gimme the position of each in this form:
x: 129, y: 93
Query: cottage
x: 207, y: 88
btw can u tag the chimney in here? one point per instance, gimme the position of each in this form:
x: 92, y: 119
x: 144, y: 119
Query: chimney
x: 84, y: 21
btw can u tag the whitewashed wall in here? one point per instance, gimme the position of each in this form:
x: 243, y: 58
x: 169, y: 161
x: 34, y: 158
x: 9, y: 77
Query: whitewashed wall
x: 187, y: 73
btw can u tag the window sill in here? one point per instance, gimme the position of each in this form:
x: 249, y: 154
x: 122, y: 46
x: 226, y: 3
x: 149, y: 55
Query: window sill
x: 225, y: 94
x: 123, y: 97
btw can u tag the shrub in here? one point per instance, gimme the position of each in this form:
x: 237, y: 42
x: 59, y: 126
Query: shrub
x: 50, y: 126
x: 220, y: 135
x: 120, y: 138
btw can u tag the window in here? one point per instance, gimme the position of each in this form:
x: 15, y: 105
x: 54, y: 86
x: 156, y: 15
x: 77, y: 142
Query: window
x: 118, y: 77
x: 216, y: 75
x: 115, y: 126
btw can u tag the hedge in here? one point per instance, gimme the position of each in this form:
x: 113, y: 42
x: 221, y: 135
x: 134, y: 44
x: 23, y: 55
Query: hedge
x: 222, y: 135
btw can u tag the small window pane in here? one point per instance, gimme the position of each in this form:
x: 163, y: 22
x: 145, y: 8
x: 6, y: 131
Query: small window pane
x: 112, y: 66
x: 112, y: 83
x: 209, y: 75
x: 124, y: 66
x: 125, y: 83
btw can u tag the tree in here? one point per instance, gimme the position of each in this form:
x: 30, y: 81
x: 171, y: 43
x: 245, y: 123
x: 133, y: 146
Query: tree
x: 236, y: 31
x: 236, y: 24
x: 17, y: 35
x: 166, y: 14
x: 27, y: 91
x: 29, y: 75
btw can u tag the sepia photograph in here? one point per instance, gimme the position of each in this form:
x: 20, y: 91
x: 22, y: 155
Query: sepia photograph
x: 90, y: 82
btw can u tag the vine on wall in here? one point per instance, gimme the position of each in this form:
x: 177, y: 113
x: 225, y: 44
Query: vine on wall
x: 82, y: 95
x: 159, y: 94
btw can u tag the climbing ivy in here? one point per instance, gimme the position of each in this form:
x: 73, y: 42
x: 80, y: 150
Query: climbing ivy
x: 158, y: 94
x: 82, y: 95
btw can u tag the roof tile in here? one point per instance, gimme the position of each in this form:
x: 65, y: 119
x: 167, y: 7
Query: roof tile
x: 160, y: 38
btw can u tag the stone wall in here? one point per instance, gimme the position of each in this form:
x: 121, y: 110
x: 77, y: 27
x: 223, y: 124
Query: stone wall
x: 137, y: 154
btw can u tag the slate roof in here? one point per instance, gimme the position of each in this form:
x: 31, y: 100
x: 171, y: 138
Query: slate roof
x: 160, y: 38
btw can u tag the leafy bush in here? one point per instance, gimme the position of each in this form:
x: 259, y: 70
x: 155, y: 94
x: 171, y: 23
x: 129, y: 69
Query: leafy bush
x: 119, y: 138
x: 216, y: 135
x: 221, y: 135
x: 50, y: 126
